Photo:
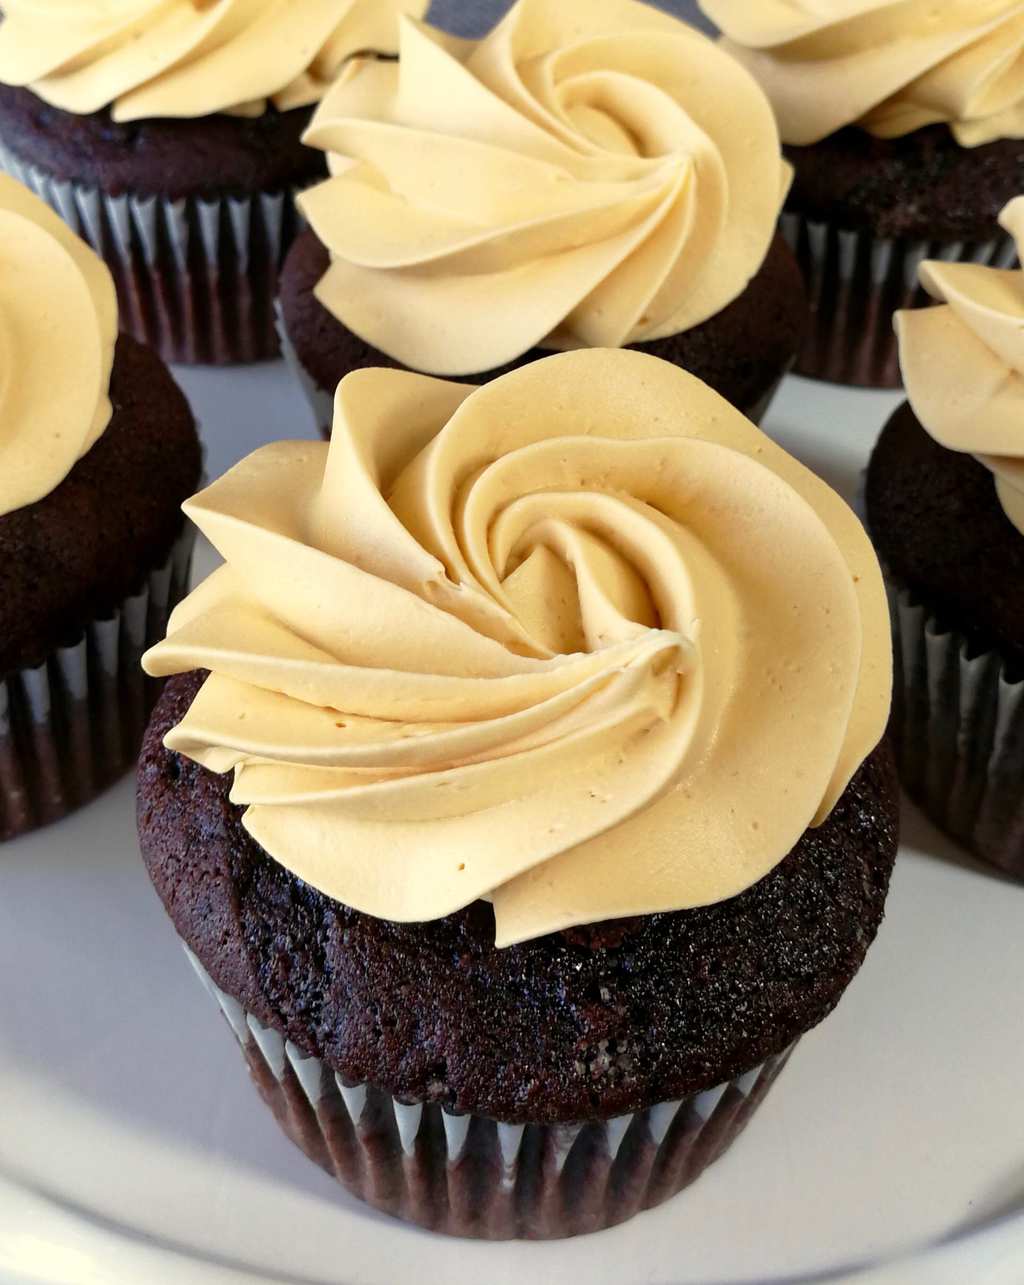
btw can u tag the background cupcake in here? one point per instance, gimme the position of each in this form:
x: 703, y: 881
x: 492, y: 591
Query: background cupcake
x: 452, y: 657
x: 169, y: 137
x: 945, y: 505
x: 97, y: 451
x: 586, y: 175
x: 904, y: 123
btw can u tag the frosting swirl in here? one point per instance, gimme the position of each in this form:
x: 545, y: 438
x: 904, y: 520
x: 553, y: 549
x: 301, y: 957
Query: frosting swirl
x: 890, y: 66
x: 148, y: 58
x: 592, y: 173
x: 521, y: 642
x: 58, y: 327
x: 963, y: 363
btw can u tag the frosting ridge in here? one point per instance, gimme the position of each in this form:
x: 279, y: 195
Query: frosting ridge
x: 517, y: 642
x: 591, y: 173
x: 963, y: 363
x: 178, y: 58
x: 889, y: 66
x: 58, y: 327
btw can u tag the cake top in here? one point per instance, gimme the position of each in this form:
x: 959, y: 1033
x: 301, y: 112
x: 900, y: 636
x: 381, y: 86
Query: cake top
x: 582, y: 641
x: 889, y: 66
x: 592, y: 173
x: 963, y: 363
x: 189, y: 57
x: 58, y: 327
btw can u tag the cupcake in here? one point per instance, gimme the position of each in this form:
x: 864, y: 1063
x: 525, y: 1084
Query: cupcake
x: 519, y: 823
x: 945, y: 506
x: 589, y: 174
x: 169, y: 138
x: 904, y: 123
x: 97, y: 451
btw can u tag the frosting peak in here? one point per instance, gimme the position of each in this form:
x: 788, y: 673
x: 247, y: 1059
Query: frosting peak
x: 591, y: 173
x: 148, y: 58
x: 963, y: 363
x: 518, y: 642
x: 58, y: 327
x: 890, y: 66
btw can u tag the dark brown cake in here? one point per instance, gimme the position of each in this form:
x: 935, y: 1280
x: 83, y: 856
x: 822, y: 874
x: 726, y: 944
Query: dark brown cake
x: 941, y: 533
x: 211, y: 156
x: 75, y: 554
x: 88, y: 577
x: 923, y: 186
x: 192, y: 216
x: 861, y: 215
x: 742, y: 352
x: 549, y: 1030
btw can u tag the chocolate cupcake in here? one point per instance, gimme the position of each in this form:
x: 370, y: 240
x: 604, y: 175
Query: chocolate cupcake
x: 945, y: 506
x: 169, y: 138
x: 482, y: 214
x: 554, y: 823
x: 97, y: 451
x: 905, y: 126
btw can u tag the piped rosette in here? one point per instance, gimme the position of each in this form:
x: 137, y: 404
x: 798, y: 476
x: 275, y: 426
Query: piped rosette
x: 592, y: 173
x: 963, y: 363
x: 58, y: 327
x: 582, y: 641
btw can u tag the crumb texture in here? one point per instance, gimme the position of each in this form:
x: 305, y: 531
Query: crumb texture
x: 567, y: 1027
x: 923, y: 186
x: 939, y: 528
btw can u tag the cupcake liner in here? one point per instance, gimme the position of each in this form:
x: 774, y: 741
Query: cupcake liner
x: 466, y: 1175
x: 321, y: 402
x: 72, y: 725
x: 196, y: 279
x: 855, y: 282
x: 958, y: 729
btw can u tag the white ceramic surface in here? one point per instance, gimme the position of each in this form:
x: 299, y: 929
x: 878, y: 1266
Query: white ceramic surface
x: 133, y: 1150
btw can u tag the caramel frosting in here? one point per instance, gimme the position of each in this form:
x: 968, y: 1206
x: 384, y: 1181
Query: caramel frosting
x: 963, y: 363
x: 582, y: 641
x: 593, y: 173
x: 58, y: 327
x: 889, y: 66
x: 177, y: 58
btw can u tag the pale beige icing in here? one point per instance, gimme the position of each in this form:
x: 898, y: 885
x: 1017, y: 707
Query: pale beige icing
x: 963, y: 363
x: 890, y: 66
x: 148, y: 58
x: 582, y: 641
x: 592, y: 173
x: 58, y: 326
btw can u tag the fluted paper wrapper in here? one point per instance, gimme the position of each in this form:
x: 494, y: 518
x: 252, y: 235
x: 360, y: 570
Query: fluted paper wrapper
x: 196, y: 279
x: 958, y: 728
x: 855, y: 282
x: 467, y: 1175
x: 71, y: 726
x: 321, y: 402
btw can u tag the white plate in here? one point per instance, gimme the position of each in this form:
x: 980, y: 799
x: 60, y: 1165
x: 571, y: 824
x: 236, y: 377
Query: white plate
x: 132, y: 1148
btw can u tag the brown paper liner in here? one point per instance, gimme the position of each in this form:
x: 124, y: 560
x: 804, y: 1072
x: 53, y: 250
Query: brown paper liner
x: 471, y: 1176
x: 72, y: 725
x: 196, y: 279
x: 958, y: 730
x: 855, y: 282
